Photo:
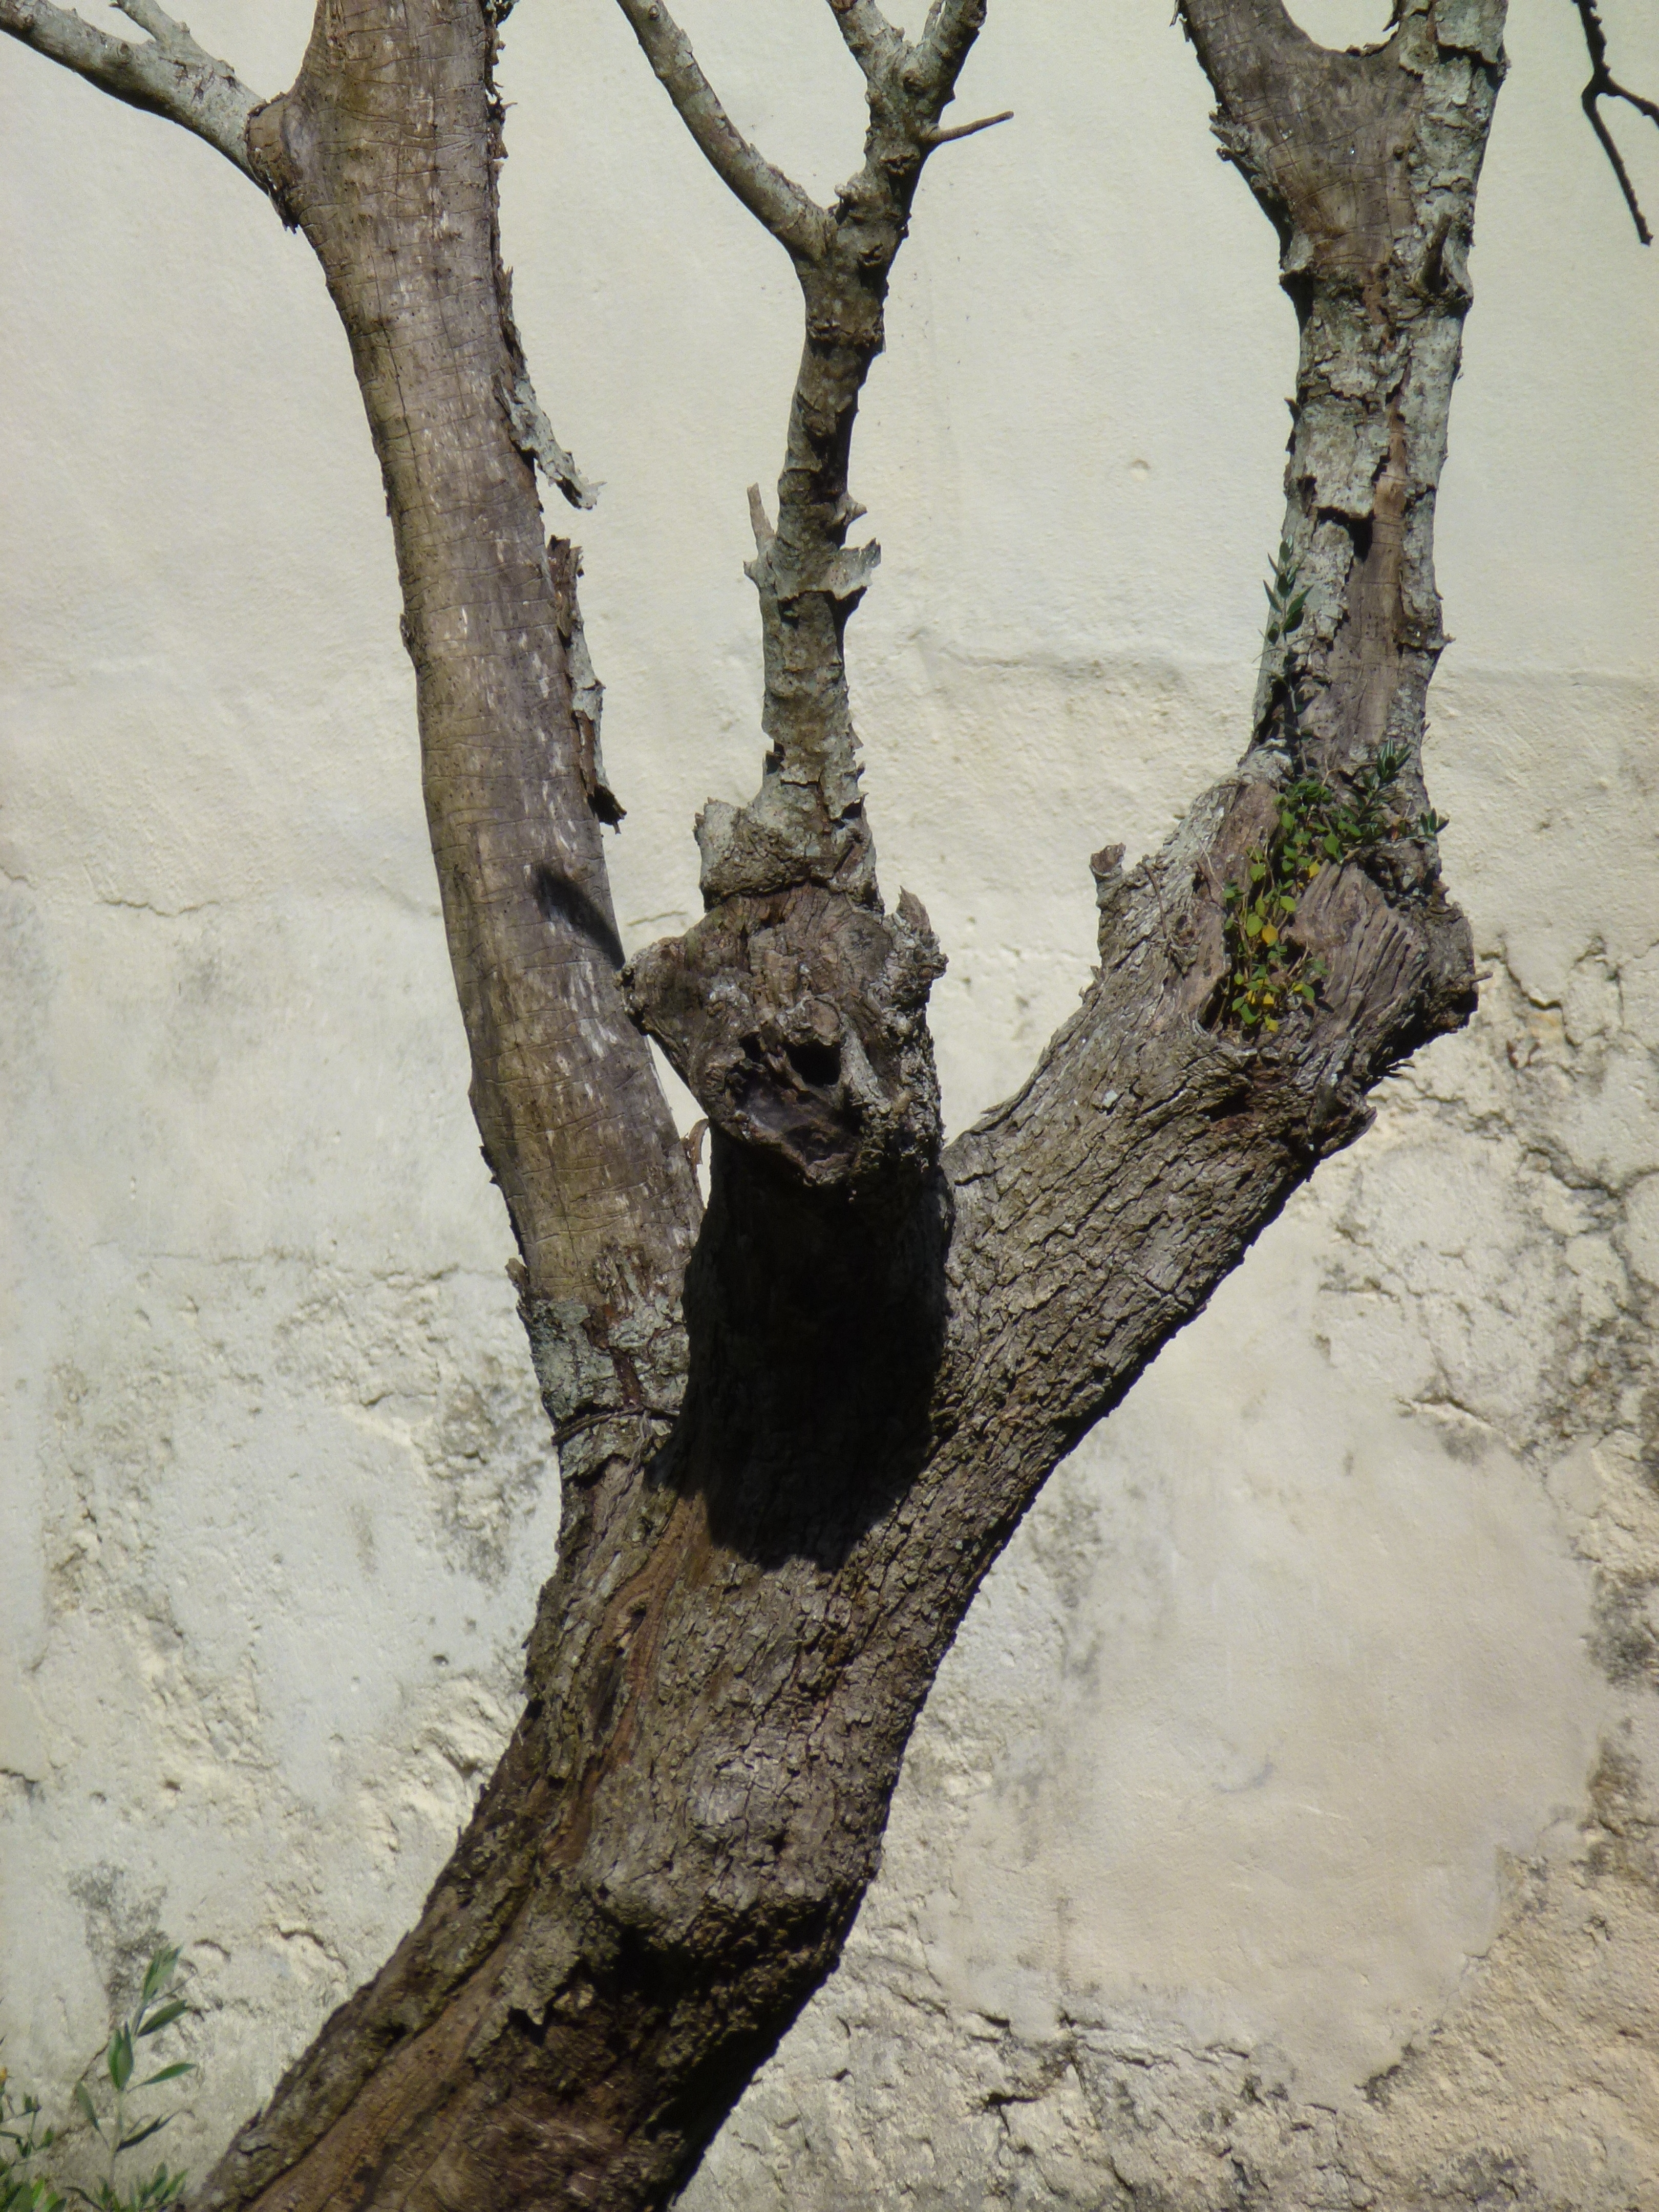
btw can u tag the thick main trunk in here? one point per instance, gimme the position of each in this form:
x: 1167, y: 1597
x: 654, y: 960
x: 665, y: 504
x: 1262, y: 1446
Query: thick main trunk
x: 882, y: 1355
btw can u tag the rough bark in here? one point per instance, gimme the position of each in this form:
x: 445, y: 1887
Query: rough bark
x: 783, y: 1488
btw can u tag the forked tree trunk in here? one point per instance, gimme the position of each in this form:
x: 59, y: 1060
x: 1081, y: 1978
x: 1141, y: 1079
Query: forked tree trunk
x: 791, y: 1453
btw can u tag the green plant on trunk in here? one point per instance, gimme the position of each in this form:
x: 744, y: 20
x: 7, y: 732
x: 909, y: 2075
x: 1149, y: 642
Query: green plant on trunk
x: 1268, y: 973
x: 103, y: 2097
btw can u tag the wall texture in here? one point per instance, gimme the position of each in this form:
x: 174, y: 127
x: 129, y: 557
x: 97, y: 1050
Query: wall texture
x: 1285, y: 1827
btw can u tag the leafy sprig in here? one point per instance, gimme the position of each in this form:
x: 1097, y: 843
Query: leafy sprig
x: 1360, y: 823
x: 1269, y: 974
x: 103, y: 2098
x: 1284, y: 601
x: 1287, y: 597
x: 157, y: 2008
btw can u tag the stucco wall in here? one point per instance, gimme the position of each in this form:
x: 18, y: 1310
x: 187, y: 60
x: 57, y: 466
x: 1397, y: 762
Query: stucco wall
x: 1280, y: 1831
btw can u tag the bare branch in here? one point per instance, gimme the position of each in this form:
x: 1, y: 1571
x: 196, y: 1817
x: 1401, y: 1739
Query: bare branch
x: 1603, y: 85
x: 947, y: 36
x: 871, y: 40
x: 926, y: 71
x: 169, y: 75
x: 852, y: 979
x: 793, y: 218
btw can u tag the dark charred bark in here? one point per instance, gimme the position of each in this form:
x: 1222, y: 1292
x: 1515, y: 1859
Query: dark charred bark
x: 791, y: 1454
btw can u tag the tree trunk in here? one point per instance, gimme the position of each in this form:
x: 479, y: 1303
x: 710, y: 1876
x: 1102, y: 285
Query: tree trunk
x: 384, y: 153
x: 791, y: 1454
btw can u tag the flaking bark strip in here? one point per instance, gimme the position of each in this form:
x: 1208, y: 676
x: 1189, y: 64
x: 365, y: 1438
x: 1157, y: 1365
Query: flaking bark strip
x: 532, y: 434
x: 564, y: 563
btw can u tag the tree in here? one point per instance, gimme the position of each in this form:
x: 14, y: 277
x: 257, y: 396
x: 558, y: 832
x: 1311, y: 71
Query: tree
x: 766, y: 1550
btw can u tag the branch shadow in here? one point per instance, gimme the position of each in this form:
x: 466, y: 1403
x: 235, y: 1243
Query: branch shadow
x: 816, y: 1328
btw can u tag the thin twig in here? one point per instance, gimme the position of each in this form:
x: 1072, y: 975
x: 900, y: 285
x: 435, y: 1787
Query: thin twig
x: 1603, y: 85
x: 967, y: 130
x: 792, y: 217
x: 167, y: 74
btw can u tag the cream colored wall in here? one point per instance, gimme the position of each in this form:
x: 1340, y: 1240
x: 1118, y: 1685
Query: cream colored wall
x: 1306, y: 1731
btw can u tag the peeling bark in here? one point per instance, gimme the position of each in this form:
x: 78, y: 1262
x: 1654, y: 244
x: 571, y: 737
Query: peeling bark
x: 791, y: 1453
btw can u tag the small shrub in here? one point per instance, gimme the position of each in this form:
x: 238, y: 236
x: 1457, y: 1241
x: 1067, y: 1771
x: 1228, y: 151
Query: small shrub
x: 105, y: 2102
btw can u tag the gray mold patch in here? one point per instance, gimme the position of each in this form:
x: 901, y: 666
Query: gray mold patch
x: 124, y: 1927
x: 490, y: 1457
x: 1623, y: 1828
x: 1624, y: 1641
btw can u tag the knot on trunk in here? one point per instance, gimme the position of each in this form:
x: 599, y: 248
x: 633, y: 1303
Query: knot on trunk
x: 784, y: 837
x: 1111, y: 890
x: 1395, y: 974
x: 798, y: 1022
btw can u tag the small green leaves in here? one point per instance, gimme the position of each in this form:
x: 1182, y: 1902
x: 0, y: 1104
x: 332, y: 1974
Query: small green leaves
x: 1284, y: 602
x: 162, y: 2188
x: 1268, y: 975
x: 101, y: 2098
x: 22, y: 2139
x: 143, y: 2134
x: 157, y: 1975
